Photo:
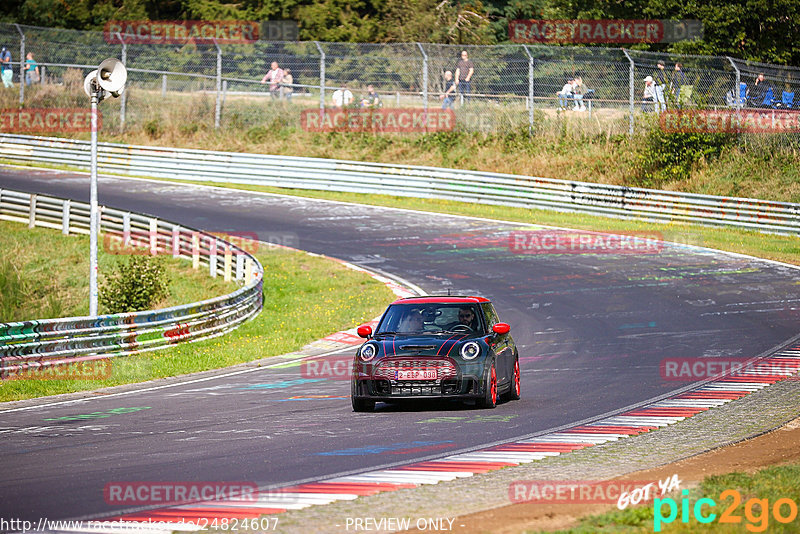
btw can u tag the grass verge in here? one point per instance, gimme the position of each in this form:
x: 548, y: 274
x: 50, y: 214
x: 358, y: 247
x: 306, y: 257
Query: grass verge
x: 305, y: 298
x: 487, y: 136
x: 44, y: 275
x: 755, y: 510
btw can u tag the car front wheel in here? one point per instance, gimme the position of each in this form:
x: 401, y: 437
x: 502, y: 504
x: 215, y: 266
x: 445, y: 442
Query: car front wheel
x: 489, y: 399
x: 363, y: 405
x: 360, y: 405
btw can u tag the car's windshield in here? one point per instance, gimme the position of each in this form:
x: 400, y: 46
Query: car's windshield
x: 430, y: 318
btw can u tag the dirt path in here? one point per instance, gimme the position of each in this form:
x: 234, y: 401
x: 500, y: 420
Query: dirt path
x: 774, y: 448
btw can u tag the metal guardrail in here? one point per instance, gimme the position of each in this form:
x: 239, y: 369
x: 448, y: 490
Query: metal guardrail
x: 410, y: 181
x: 36, y: 344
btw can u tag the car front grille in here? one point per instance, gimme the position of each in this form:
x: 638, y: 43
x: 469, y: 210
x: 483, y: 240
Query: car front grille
x: 445, y: 369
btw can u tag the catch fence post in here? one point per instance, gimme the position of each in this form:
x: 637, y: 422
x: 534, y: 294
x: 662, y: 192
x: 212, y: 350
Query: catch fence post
x: 631, y: 90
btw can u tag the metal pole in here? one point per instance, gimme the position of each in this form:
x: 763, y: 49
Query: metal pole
x: 736, y: 93
x: 424, y: 77
x: 321, y: 78
x: 631, y: 91
x: 21, y: 65
x: 93, y: 210
x: 736, y: 90
x: 124, y: 103
x: 219, y: 85
x: 530, y: 89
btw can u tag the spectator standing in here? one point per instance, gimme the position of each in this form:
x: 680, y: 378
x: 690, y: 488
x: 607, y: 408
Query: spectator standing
x: 342, y: 97
x: 449, y: 90
x: 371, y: 99
x: 275, y: 77
x: 678, y: 80
x: 660, y: 79
x: 649, y: 95
x: 31, y: 69
x: 288, y: 80
x: 464, y: 72
x: 6, y: 69
x: 759, y: 91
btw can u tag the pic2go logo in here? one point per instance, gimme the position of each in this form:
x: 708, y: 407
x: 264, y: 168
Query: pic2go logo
x: 756, y: 511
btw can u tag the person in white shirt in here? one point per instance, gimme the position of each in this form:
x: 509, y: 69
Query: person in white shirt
x: 342, y: 97
x: 649, y: 94
x: 565, y: 95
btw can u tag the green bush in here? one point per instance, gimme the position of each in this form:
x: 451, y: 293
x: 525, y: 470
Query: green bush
x: 153, y: 128
x: 665, y: 157
x: 136, y: 285
x: 257, y: 134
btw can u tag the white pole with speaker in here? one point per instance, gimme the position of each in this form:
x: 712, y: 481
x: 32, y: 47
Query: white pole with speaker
x: 109, y: 78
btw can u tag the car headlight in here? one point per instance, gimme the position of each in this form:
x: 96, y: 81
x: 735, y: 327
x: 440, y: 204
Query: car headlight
x: 470, y: 350
x: 368, y: 351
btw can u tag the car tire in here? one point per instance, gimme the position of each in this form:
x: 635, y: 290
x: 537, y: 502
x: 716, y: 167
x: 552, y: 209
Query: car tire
x: 516, y: 382
x: 360, y: 405
x: 363, y: 405
x: 489, y: 399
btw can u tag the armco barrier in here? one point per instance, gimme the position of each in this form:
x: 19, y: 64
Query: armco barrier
x: 31, y: 344
x: 411, y: 181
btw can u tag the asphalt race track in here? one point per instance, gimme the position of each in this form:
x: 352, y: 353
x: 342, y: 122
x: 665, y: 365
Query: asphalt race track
x: 592, y: 330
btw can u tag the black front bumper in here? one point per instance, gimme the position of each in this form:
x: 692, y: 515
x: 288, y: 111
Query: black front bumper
x: 387, y: 390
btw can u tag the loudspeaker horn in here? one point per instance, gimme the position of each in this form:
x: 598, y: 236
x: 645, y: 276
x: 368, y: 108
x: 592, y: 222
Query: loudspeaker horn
x: 112, y: 75
x: 88, y: 81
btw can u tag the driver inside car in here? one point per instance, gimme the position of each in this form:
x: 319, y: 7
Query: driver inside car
x: 466, y: 318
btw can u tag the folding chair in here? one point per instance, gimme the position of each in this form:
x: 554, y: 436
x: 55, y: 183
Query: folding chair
x: 787, y: 100
x: 768, y: 98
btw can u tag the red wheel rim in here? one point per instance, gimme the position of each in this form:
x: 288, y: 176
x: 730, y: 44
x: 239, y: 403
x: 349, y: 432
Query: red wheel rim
x: 516, y: 376
x: 493, y: 386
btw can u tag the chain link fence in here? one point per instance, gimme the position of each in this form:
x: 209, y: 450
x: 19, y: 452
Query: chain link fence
x: 514, y: 87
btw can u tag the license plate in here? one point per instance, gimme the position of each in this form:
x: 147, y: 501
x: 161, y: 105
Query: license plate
x: 417, y: 374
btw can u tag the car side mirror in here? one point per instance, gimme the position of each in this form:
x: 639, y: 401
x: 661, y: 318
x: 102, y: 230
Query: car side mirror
x: 501, y: 328
x: 364, y: 331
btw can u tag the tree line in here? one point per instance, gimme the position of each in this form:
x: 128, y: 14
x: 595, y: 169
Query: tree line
x: 759, y: 30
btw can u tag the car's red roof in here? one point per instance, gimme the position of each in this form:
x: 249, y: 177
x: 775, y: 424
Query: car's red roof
x: 432, y: 299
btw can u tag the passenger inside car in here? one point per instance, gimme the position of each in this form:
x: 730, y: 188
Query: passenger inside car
x: 412, y: 322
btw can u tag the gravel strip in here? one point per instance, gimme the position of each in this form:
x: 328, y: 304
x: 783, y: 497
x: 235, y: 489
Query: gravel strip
x: 744, y: 418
